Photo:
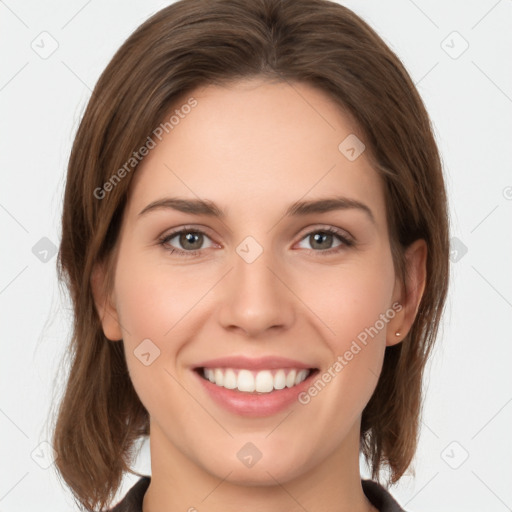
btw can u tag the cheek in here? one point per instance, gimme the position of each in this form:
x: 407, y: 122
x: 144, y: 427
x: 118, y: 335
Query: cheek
x: 155, y: 297
x: 354, y: 306
x: 159, y: 304
x: 349, y: 300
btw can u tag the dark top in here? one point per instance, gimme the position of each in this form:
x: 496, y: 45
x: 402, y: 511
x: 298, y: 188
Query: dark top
x: 376, y: 493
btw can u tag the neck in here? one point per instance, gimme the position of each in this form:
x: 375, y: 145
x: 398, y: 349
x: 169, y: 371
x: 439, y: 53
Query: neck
x: 178, y: 483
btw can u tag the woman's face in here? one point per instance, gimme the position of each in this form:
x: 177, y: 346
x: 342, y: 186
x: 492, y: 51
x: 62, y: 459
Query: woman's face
x: 285, y: 273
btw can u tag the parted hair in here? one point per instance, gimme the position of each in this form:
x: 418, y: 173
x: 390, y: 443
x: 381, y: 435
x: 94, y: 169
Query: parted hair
x: 192, y: 43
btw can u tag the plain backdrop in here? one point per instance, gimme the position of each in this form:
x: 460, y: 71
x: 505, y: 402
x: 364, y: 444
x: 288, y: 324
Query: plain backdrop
x: 458, y: 54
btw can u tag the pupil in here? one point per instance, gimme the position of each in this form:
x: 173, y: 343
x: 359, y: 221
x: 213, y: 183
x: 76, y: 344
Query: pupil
x: 319, y: 237
x: 189, y: 238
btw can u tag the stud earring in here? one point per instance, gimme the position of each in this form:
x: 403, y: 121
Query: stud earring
x: 397, y: 333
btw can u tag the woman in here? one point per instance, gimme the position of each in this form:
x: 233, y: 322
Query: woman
x: 255, y: 239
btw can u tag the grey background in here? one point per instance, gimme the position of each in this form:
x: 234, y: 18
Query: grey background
x: 458, y: 54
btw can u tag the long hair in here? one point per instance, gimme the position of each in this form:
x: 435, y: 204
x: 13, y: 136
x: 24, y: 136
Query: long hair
x: 189, y: 44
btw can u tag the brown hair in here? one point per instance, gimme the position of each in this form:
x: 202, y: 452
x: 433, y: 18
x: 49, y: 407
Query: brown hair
x: 198, y: 42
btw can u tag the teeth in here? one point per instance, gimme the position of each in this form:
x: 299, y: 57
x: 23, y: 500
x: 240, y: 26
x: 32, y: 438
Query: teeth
x: 248, y: 381
x: 280, y: 379
x: 290, y: 379
x: 229, y: 380
x: 245, y: 381
x: 264, y: 382
x: 219, y: 376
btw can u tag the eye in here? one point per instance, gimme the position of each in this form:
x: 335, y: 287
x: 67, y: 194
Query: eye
x: 190, y: 241
x: 321, y: 240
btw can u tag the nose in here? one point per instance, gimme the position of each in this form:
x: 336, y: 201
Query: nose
x: 256, y: 298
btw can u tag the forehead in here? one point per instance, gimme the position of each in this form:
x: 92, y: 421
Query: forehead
x: 256, y: 143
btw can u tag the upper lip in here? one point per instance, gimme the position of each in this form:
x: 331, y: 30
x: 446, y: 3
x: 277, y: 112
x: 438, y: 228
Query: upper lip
x: 250, y: 363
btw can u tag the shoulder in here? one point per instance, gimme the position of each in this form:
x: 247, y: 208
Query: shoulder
x: 380, y: 497
x: 132, y: 502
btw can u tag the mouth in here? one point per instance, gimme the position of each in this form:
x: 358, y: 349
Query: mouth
x: 254, y: 386
x: 255, y: 381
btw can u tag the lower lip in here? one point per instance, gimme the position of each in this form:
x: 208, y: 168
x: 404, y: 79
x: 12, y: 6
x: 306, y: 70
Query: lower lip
x: 254, y: 404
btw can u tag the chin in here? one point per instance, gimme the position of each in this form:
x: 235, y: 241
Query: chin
x: 271, y: 467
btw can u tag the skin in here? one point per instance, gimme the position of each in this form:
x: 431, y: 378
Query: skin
x: 254, y: 148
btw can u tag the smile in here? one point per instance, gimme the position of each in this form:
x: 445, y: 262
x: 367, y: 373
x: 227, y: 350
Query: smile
x: 249, y: 381
x: 254, y: 386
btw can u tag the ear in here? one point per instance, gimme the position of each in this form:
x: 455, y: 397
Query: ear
x: 409, y: 294
x: 105, y: 303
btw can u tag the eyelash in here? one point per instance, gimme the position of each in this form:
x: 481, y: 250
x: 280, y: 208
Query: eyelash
x: 346, y: 242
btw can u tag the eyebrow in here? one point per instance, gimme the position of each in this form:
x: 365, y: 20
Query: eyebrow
x: 299, y: 208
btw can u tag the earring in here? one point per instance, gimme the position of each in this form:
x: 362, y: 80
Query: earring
x: 397, y: 333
